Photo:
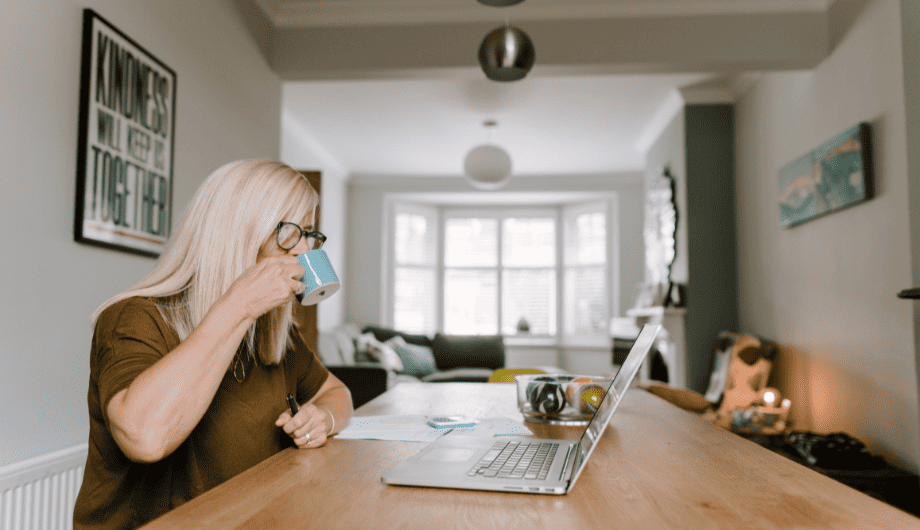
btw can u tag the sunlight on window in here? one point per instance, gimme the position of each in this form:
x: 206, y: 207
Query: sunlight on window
x: 471, y: 242
x: 585, y: 306
x: 414, y: 243
x: 586, y: 239
x: 585, y: 301
x: 470, y: 302
x: 414, y: 286
x: 529, y: 242
x: 413, y: 304
x: 529, y: 294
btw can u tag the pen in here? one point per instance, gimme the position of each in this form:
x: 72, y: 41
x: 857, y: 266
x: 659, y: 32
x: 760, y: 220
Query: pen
x: 293, y: 403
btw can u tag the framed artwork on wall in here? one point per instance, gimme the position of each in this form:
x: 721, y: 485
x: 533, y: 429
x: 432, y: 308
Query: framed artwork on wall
x: 835, y: 175
x: 126, y: 142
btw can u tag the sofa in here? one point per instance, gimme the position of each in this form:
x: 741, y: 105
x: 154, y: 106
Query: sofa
x: 372, y: 358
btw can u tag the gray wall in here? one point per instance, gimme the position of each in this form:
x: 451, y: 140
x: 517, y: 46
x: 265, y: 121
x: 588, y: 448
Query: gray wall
x: 826, y: 289
x: 228, y: 108
x: 910, y: 43
x: 712, y: 292
x: 698, y: 148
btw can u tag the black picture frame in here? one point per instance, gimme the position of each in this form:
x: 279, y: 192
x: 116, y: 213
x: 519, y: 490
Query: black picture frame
x: 126, y: 143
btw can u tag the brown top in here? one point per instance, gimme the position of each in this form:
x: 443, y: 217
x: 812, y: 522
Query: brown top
x: 237, y: 432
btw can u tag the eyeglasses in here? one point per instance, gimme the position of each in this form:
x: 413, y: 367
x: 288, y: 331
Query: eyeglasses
x: 288, y: 236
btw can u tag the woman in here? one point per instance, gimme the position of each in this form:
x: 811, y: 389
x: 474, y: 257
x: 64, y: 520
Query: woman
x: 190, y: 368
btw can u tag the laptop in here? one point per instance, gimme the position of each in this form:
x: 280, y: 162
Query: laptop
x: 517, y: 463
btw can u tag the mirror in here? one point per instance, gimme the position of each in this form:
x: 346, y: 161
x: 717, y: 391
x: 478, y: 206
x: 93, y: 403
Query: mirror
x: 661, y: 229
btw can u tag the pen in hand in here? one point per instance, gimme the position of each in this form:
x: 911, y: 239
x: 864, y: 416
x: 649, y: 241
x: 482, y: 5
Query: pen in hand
x: 293, y: 404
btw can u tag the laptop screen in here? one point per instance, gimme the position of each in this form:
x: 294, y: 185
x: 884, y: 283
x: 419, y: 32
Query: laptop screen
x: 614, y: 396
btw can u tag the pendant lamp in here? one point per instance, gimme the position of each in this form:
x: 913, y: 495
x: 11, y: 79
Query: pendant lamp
x: 487, y: 166
x: 500, y: 3
x: 506, y: 54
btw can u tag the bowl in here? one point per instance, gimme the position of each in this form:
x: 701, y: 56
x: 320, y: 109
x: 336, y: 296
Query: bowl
x: 560, y: 399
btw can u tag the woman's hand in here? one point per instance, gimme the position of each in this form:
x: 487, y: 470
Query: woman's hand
x: 267, y: 284
x: 307, y: 428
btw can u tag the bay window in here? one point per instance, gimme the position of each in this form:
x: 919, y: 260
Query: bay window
x: 530, y: 272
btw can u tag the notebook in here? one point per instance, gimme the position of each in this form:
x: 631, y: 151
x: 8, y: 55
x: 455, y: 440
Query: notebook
x: 515, y: 463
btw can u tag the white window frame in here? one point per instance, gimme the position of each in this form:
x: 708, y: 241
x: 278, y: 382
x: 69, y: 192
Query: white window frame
x: 570, y: 211
x: 500, y: 214
x: 440, y: 212
x: 432, y: 213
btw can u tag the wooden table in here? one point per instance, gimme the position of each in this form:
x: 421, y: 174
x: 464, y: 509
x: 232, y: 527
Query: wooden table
x: 657, y: 467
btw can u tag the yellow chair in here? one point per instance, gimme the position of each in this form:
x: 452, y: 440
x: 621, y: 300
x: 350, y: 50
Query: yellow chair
x: 508, y: 375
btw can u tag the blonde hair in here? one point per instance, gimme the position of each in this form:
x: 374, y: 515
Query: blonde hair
x: 235, y: 211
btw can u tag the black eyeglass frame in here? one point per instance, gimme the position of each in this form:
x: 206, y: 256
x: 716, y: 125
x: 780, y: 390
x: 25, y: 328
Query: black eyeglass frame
x: 319, y: 236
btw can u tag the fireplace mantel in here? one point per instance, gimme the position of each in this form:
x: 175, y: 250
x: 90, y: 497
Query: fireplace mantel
x: 671, y: 342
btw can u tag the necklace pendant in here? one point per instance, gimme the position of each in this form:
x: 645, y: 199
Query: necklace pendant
x: 239, y: 370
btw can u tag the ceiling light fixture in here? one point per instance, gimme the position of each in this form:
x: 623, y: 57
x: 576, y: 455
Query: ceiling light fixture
x: 487, y: 166
x: 500, y: 3
x: 506, y: 54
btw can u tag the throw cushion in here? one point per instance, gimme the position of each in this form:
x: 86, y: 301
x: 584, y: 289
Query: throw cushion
x: 417, y: 360
x: 346, y: 335
x: 328, y: 350
x: 385, y: 334
x: 380, y: 352
x: 465, y: 351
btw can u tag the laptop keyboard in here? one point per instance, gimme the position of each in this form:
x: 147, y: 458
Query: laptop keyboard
x: 516, y: 460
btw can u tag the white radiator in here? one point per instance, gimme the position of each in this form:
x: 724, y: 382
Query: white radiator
x: 40, y: 493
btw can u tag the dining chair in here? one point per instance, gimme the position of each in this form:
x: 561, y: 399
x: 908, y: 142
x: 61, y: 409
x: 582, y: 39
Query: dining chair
x: 508, y: 375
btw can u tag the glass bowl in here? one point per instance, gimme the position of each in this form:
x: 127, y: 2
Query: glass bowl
x: 560, y: 399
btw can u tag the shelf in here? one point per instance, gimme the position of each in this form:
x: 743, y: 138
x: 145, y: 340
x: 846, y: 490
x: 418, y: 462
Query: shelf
x: 655, y: 311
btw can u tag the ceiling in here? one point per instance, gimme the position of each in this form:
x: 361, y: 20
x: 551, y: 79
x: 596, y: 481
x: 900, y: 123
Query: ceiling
x: 392, y: 87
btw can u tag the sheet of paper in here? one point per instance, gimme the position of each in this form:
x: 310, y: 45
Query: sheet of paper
x: 408, y: 428
x: 415, y: 428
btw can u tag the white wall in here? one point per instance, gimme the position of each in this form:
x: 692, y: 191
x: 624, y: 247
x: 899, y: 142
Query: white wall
x: 301, y: 151
x: 826, y: 289
x: 228, y: 103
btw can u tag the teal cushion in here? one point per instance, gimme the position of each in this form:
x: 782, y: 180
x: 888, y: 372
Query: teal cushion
x: 417, y: 360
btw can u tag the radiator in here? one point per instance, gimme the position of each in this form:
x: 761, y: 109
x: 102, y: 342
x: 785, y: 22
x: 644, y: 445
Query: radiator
x: 40, y: 493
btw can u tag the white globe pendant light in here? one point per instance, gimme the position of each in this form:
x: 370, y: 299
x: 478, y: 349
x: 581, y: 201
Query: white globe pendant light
x: 487, y: 166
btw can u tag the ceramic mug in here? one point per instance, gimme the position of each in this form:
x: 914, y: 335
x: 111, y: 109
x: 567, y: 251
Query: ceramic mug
x: 319, y: 278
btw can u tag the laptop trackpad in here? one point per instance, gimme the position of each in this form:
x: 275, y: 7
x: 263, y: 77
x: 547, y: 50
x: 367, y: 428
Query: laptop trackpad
x: 449, y: 454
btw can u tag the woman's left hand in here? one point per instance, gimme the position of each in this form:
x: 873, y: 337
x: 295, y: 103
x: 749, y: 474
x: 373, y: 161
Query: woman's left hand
x: 307, y: 428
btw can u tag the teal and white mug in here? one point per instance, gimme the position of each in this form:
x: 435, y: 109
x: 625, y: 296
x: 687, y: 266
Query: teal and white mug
x: 319, y: 277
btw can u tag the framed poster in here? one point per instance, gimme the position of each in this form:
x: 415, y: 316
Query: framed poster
x: 835, y: 175
x: 126, y: 140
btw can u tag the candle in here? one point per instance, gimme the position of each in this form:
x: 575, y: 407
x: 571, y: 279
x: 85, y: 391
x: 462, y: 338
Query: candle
x: 769, y: 398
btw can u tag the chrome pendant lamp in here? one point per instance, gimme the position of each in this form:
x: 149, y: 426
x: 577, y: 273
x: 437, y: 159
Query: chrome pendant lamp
x: 507, y: 53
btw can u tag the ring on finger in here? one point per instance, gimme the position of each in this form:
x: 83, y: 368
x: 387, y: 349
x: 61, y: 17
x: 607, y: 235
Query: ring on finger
x: 307, y: 436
